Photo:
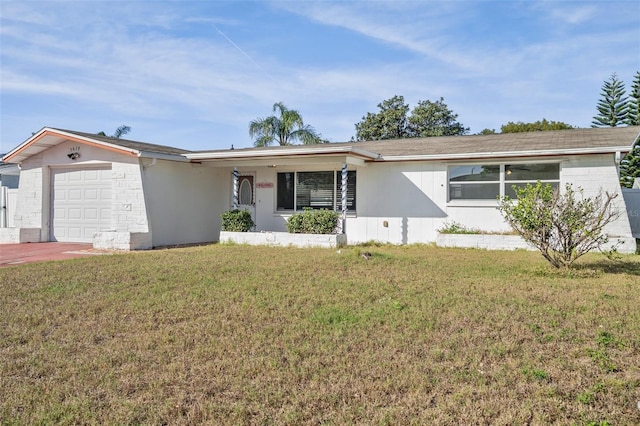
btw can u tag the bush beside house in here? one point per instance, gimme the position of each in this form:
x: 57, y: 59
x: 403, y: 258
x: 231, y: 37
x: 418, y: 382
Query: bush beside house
x: 237, y: 221
x: 313, y: 222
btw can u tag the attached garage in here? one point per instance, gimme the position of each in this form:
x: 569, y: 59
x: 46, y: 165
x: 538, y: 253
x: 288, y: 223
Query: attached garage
x: 85, y: 188
x: 80, y: 203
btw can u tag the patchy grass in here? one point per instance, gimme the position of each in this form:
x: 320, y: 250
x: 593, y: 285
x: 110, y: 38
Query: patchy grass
x: 254, y: 335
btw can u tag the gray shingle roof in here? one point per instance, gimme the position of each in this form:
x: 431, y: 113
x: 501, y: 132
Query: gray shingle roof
x: 507, y: 144
x: 600, y: 138
x: 139, y: 146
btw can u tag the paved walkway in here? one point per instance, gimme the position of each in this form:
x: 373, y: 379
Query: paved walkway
x: 16, y: 254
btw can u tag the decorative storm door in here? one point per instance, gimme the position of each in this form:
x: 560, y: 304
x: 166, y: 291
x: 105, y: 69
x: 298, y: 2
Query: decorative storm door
x: 246, y: 194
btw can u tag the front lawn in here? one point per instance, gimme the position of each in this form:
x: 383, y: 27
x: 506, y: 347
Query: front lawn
x: 228, y: 334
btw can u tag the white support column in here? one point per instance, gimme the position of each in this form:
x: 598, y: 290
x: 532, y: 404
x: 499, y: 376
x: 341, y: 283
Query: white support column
x: 343, y: 187
x: 236, y: 181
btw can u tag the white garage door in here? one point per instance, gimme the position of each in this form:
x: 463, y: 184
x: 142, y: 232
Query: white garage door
x: 81, y: 203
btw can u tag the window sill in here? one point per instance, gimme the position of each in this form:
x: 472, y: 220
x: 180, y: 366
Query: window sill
x: 290, y: 213
x: 472, y: 203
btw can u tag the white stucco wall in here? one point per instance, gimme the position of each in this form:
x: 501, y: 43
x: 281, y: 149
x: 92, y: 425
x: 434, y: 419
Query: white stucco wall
x: 29, y: 202
x: 406, y: 202
x: 399, y: 203
x: 595, y: 173
x: 185, y: 201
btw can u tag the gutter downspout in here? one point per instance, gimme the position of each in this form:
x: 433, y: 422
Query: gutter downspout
x: 151, y: 164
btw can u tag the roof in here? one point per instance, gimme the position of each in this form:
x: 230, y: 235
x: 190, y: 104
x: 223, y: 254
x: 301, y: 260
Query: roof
x: 560, y: 142
x: 48, y: 137
x: 546, y: 143
x: 138, y: 146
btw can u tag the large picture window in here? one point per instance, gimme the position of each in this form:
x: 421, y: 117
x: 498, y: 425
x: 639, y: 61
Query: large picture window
x: 487, y: 182
x: 316, y: 190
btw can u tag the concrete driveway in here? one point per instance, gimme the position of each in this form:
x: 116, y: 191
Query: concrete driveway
x: 16, y: 254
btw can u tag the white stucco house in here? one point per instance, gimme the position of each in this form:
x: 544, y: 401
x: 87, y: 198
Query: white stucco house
x: 122, y: 194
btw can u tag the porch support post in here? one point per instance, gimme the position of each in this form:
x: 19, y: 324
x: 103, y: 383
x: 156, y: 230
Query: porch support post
x: 236, y: 177
x: 343, y: 216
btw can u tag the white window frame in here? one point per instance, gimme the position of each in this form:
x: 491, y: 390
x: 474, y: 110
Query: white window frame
x: 337, y: 201
x: 502, y: 182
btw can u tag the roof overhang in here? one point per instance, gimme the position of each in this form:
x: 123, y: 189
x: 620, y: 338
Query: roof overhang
x: 47, y: 138
x: 324, y: 154
x: 508, y: 154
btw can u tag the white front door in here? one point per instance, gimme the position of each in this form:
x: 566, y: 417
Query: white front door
x: 246, y: 194
x: 80, y: 203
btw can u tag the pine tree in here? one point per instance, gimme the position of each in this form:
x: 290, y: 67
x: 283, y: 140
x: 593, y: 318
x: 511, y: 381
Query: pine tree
x: 612, y: 107
x: 633, y: 110
x: 630, y: 164
x: 630, y: 167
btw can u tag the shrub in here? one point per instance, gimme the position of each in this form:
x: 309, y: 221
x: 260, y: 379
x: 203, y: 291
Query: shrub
x: 457, y: 228
x: 313, y: 222
x: 237, y: 221
x: 562, y: 225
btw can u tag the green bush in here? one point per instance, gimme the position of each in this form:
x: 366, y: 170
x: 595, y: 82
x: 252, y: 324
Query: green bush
x: 313, y: 222
x: 237, y: 221
x: 563, y: 225
x: 457, y: 228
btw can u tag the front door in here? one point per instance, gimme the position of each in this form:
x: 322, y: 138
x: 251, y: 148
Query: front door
x: 246, y: 194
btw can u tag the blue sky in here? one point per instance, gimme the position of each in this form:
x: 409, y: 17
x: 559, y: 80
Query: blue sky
x: 193, y: 74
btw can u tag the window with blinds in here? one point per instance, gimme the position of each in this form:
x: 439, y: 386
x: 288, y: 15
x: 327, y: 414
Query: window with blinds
x: 315, y: 190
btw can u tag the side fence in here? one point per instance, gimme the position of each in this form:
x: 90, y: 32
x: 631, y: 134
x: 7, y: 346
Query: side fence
x: 8, y: 197
x: 632, y: 200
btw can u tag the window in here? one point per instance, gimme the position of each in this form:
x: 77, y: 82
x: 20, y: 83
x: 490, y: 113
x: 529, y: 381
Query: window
x: 521, y: 174
x: 316, y: 190
x: 474, y: 182
x: 487, y: 182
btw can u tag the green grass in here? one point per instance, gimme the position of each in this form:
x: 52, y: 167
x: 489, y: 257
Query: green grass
x: 230, y: 334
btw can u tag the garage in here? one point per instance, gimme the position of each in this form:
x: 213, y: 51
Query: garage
x: 80, y: 203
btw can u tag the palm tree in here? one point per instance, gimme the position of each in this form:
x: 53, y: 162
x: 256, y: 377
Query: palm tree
x: 120, y: 131
x: 285, y: 128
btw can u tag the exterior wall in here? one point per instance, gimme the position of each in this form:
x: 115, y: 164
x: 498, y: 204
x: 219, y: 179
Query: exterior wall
x: 595, y: 173
x: 399, y: 203
x: 407, y: 202
x: 184, y: 201
x: 30, y: 205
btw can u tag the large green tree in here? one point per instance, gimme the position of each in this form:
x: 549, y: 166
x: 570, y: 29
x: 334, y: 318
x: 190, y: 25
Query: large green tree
x: 633, y: 109
x: 393, y: 122
x: 285, y: 128
x: 630, y: 167
x: 538, y: 126
x: 389, y: 123
x: 612, y: 106
x: 434, y: 119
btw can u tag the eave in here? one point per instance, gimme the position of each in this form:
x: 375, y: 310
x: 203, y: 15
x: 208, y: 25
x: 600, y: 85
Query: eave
x: 289, y: 156
x: 507, y: 154
x: 47, y: 138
